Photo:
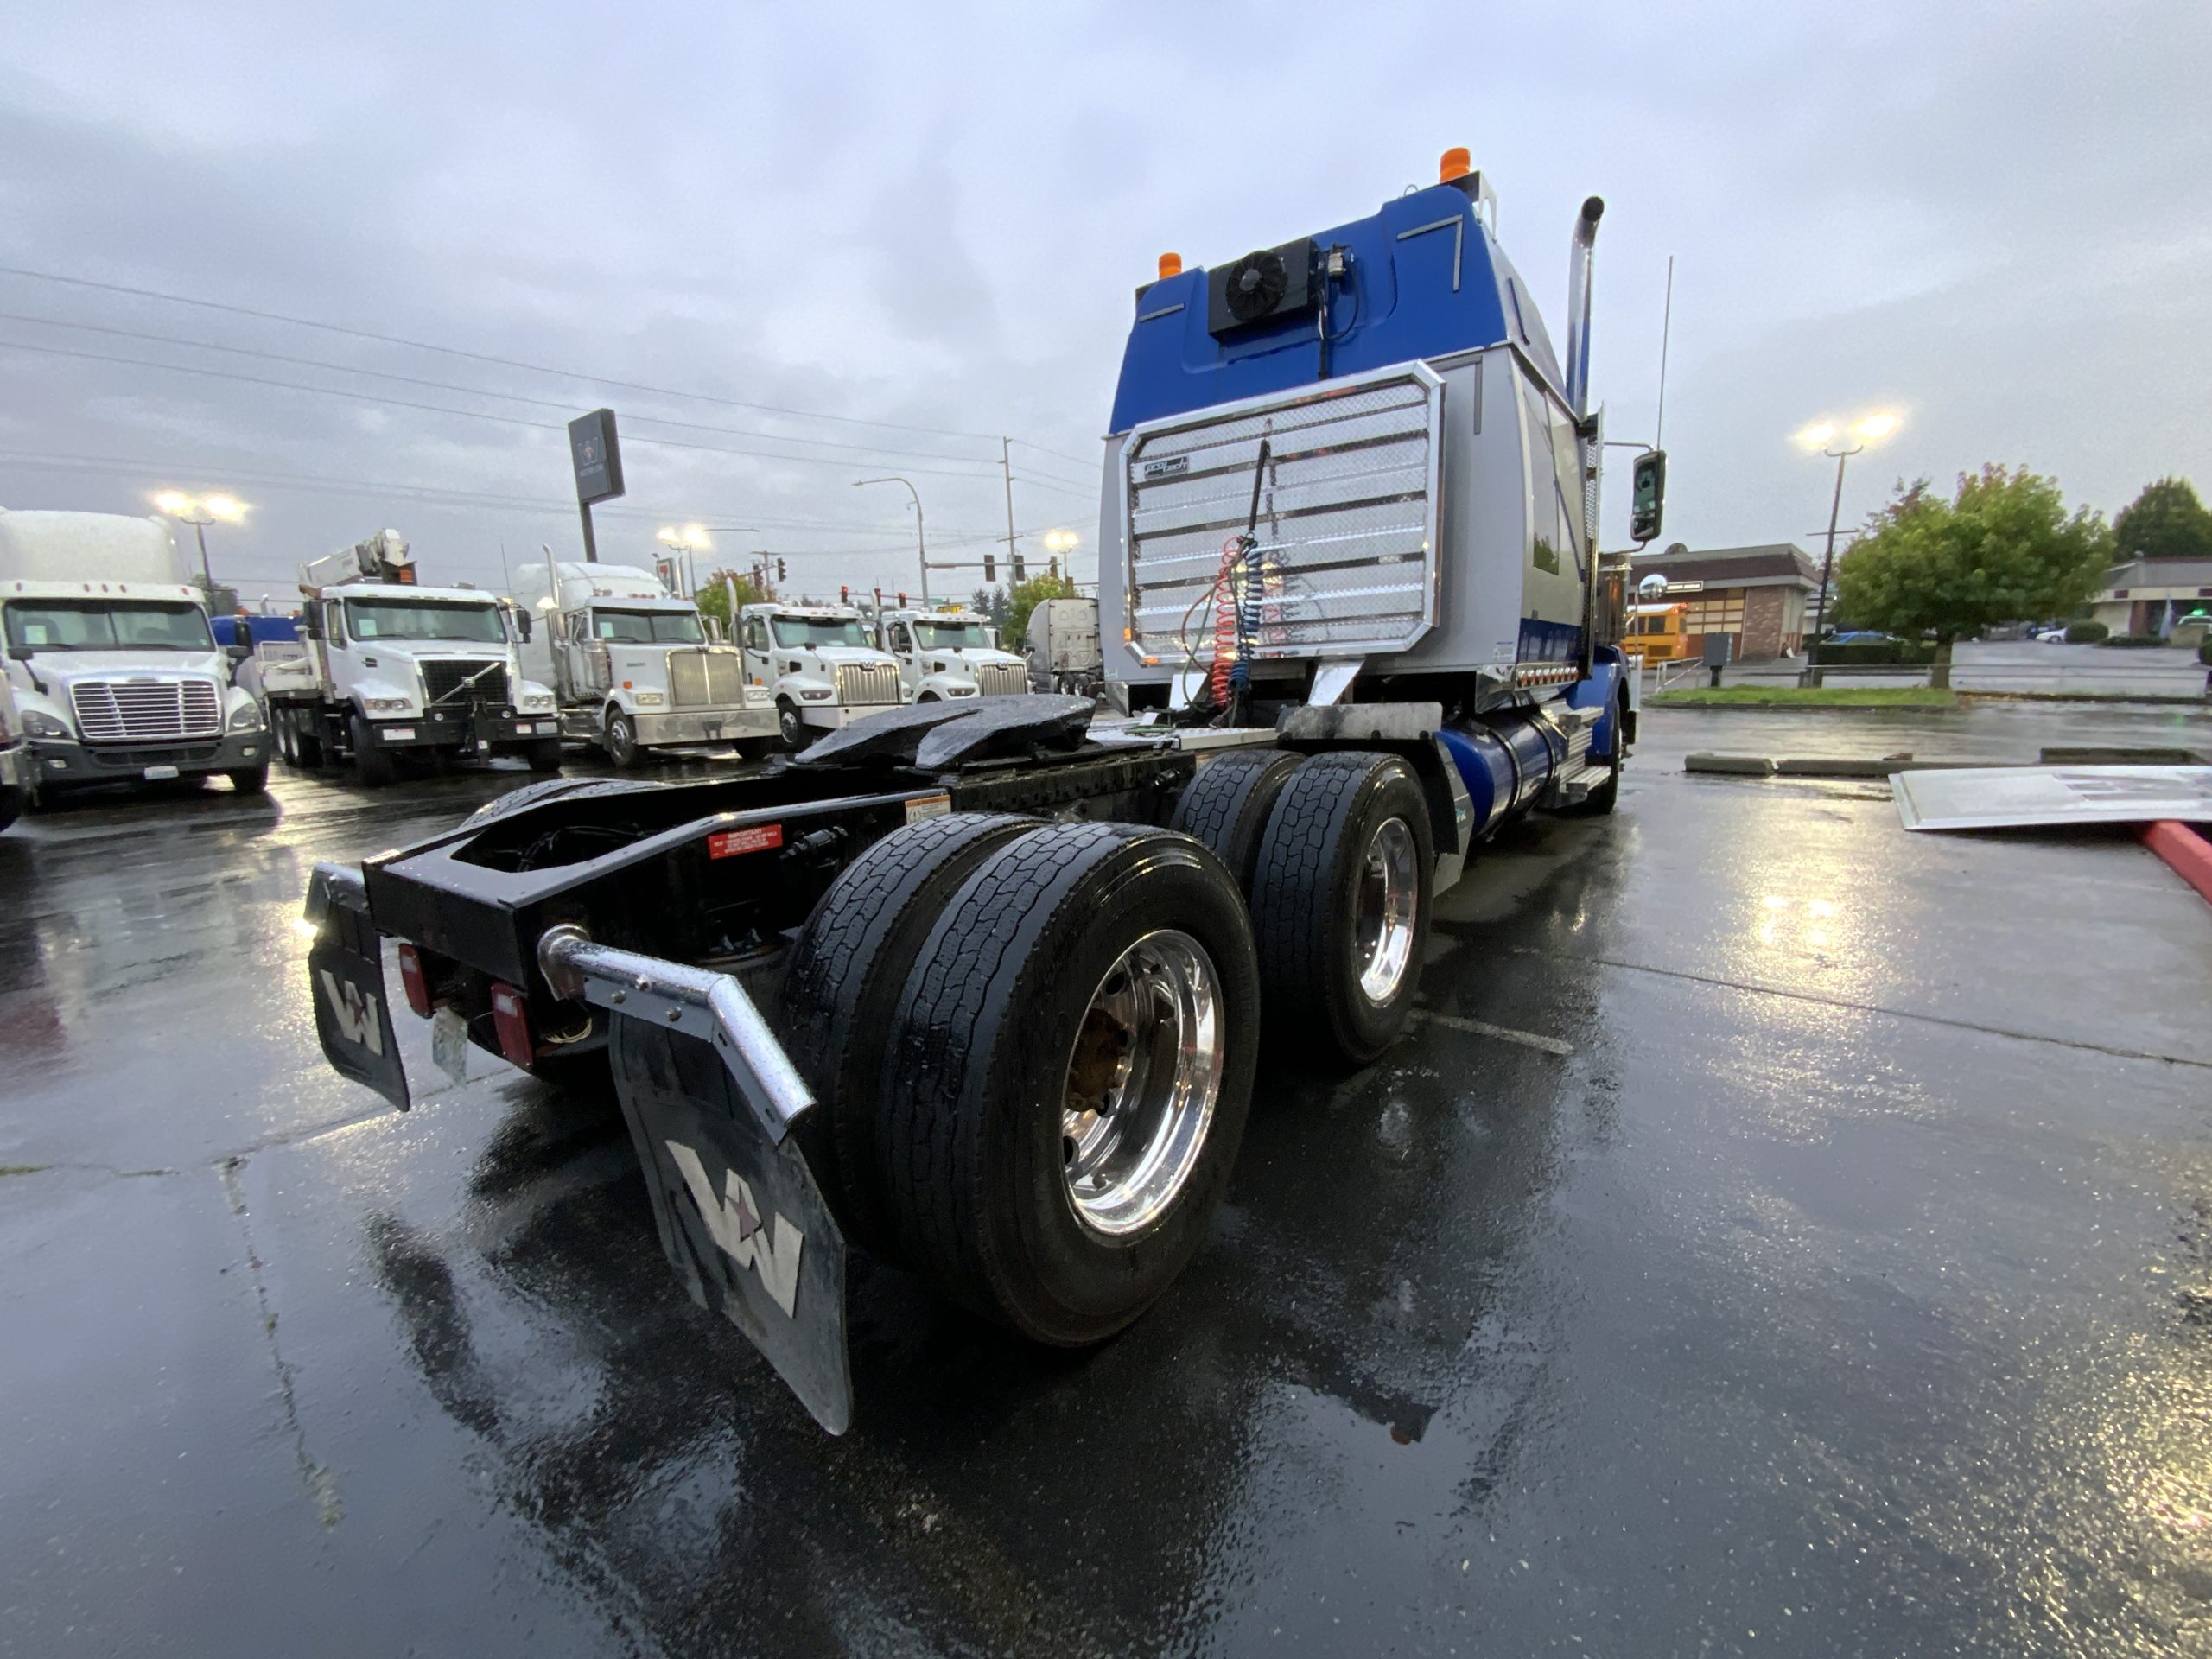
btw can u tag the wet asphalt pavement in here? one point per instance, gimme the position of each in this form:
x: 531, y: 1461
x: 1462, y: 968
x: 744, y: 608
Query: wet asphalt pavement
x: 1783, y: 1234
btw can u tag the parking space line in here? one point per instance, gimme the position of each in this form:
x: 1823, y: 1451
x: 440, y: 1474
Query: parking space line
x: 1503, y: 1034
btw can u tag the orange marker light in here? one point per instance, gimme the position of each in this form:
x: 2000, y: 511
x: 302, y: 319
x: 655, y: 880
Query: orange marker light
x: 1171, y: 264
x: 1456, y: 163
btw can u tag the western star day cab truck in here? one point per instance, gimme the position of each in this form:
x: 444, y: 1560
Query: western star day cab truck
x: 949, y: 653
x: 817, y: 665
x: 631, y: 664
x: 982, y: 989
x: 394, y: 668
x: 115, y: 676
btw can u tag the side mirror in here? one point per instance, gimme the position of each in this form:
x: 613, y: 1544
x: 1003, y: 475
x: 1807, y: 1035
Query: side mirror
x: 238, y: 654
x: 522, y: 626
x: 1649, y: 498
x: 311, y: 623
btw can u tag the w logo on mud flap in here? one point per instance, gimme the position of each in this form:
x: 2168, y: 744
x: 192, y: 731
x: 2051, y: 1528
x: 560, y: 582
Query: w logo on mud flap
x: 733, y: 1219
x: 354, y: 1010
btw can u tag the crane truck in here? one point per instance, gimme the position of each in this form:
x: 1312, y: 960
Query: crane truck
x: 816, y: 664
x: 948, y: 652
x: 981, y: 989
x: 395, y: 670
x: 115, y: 675
x: 631, y: 664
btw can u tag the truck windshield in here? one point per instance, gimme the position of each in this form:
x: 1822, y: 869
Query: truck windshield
x: 646, y: 627
x: 424, y: 618
x: 68, y: 625
x: 952, y: 636
x: 796, y: 633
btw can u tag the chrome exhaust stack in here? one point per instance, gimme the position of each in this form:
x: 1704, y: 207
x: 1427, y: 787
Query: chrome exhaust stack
x: 1578, y: 306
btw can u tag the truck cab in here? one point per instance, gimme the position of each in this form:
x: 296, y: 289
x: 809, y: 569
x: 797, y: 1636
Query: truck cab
x: 632, y: 665
x: 818, y: 665
x: 115, y: 675
x: 396, y: 669
x: 950, y: 653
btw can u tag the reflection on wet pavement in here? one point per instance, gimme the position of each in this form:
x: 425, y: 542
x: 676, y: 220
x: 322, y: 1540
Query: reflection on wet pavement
x: 1832, y: 1276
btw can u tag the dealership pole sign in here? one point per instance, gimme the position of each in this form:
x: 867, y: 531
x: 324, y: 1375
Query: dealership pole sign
x: 595, y: 452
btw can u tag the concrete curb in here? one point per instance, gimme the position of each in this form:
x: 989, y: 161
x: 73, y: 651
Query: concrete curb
x: 2187, y: 852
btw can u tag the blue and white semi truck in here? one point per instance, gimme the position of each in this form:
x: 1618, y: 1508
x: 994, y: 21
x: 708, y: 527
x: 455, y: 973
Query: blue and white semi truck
x: 980, y: 987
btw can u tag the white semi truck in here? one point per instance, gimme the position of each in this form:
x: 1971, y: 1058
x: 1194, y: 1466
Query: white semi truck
x: 815, y: 663
x: 952, y: 653
x: 631, y: 667
x: 114, y: 674
x: 394, y: 668
x: 1063, y: 647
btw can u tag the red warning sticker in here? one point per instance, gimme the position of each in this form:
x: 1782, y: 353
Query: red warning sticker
x: 728, y: 843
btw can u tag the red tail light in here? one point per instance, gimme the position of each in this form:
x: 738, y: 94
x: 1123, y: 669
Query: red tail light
x: 511, y: 1015
x: 417, y: 984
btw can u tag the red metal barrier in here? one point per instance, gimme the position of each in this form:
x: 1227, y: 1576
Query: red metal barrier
x: 2187, y: 851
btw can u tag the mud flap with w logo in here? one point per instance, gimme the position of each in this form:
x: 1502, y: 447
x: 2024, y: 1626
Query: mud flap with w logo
x: 352, y: 1016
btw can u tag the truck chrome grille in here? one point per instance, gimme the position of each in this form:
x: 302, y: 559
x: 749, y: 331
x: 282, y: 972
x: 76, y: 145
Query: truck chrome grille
x: 1347, y: 530
x: 700, y: 678
x: 143, y: 711
x: 868, y: 682
x: 1002, y: 679
x: 442, y: 679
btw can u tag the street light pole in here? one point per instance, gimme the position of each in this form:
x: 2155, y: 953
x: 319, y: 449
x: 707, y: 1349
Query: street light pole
x: 1823, y: 435
x: 921, y: 541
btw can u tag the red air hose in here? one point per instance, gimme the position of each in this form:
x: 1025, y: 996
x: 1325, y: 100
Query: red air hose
x: 1224, y: 623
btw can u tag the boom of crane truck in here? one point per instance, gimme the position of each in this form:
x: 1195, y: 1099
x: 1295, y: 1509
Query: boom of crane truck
x: 631, y: 664
x: 1014, y: 970
x: 393, y: 668
x: 818, y: 664
x: 115, y: 676
x: 948, y: 652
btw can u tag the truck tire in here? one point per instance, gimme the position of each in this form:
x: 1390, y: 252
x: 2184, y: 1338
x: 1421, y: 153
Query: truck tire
x: 621, y: 739
x: 307, y: 740
x: 791, y: 729
x: 544, y: 755
x: 250, y: 780
x: 842, y: 982
x: 1340, y: 903
x: 280, y: 734
x: 1085, y: 975
x: 373, y: 766
x: 1227, y: 805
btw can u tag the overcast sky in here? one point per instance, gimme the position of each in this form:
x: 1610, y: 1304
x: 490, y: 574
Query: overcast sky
x: 1990, y: 218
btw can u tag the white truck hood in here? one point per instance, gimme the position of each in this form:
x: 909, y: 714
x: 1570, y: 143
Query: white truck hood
x: 837, y: 654
x: 61, y: 668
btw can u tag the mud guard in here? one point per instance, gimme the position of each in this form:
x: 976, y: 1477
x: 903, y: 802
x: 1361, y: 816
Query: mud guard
x: 741, y: 1219
x: 353, y: 1014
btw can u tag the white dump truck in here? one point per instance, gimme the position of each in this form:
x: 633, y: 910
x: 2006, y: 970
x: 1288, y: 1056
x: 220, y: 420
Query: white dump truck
x: 114, y: 674
x: 817, y: 665
x: 395, y: 669
x: 1063, y: 649
x: 951, y: 652
x: 632, y: 665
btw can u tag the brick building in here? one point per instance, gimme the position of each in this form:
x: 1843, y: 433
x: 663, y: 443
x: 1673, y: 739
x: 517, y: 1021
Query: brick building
x: 1757, y: 594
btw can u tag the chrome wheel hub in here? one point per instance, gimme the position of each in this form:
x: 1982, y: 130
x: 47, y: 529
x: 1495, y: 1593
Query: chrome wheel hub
x: 1142, y: 1078
x: 1388, y: 902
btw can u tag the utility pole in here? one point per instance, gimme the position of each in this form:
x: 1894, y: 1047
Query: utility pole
x: 1006, y: 467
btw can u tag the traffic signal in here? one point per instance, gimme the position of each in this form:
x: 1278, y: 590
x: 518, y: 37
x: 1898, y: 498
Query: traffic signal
x: 779, y: 570
x: 990, y: 568
x: 1649, y: 497
x: 1020, y: 574
x: 1056, y: 567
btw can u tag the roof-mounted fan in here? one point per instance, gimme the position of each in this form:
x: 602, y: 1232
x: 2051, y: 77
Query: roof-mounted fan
x: 1261, y: 287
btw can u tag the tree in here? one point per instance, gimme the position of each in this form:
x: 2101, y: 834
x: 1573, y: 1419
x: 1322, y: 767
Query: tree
x: 2165, y: 522
x: 2005, y: 548
x: 990, y: 602
x: 1024, y: 598
x: 714, y: 595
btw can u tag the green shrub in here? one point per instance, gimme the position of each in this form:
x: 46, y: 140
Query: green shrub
x: 2205, y: 651
x: 1873, y: 653
x: 2085, y: 633
x: 2130, y: 641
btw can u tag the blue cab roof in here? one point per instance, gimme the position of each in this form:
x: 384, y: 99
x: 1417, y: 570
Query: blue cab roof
x: 1426, y: 281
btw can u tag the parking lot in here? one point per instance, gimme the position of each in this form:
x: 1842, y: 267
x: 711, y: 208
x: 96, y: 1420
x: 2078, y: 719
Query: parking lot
x: 1781, y: 1233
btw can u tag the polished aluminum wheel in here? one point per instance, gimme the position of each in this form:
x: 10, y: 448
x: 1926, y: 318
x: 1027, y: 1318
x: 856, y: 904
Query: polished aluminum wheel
x: 1142, y: 1078
x: 1388, y: 902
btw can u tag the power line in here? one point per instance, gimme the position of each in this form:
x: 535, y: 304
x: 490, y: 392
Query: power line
x: 442, y: 408
x: 564, y: 408
x: 479, y: 357
x: 1080, y: 460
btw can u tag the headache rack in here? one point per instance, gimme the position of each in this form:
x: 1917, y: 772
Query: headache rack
x: 1345, y: 563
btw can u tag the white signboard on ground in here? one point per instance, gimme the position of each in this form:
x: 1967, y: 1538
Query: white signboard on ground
x: 1989, y: 797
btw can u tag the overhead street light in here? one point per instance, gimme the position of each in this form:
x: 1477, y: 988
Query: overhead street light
x: 921, y: 542
x: 1839, y: 442
x: 217, y: 507
x: 688, y: 539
